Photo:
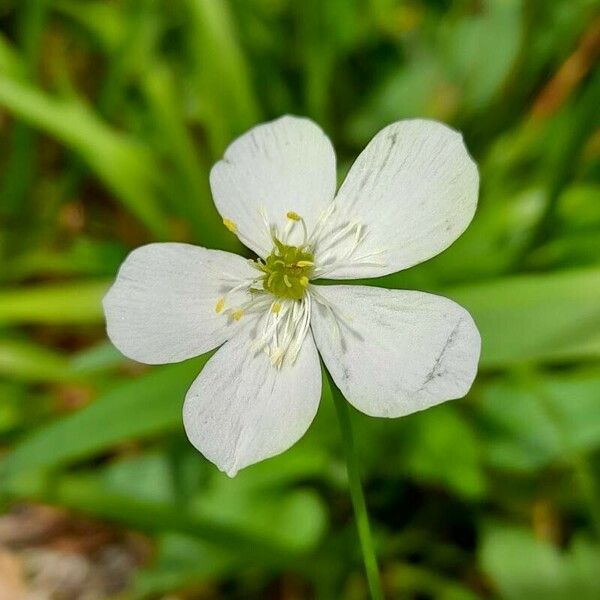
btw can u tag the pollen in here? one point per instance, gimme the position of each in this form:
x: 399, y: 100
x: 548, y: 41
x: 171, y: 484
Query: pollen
x: 276, y: 308
x: 220, y: 305
x: 237, y: 314
x: 230, y: 225
x: 304, y: 281
x: 293, y: 216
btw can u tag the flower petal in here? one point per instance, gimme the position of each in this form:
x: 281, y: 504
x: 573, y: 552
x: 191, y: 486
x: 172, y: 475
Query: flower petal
x: 413, y: 190
x: 286, y: 165
x: 241, y: 409
x: 161, y: 308
x: 394, y: 352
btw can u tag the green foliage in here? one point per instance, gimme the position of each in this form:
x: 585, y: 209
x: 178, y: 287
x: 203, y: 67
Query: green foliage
x: 69, y: 302
x: 148, y: 405
x: 111, y: 115
x: 547, y: 572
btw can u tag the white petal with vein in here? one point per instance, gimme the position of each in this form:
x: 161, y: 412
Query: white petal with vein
x: 241, y: 409
x: 161, y: 308
x: 395, y: 352
x: 413, y: 190
x: 277, y: 167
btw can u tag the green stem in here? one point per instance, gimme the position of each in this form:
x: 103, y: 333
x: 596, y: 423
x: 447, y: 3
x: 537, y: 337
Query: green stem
x: 356, y: 493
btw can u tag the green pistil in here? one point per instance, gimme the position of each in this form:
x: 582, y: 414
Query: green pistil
x: 287, y: 271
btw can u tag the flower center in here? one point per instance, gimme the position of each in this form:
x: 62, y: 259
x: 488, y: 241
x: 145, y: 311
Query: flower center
x: 287, y: 270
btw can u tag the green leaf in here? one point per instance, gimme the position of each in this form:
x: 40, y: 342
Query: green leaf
x: 146, y: 477
x: 90, y: 495
x: 12, y: 401
x: 480, y: 49
x: 266, y: 511
x: 54, y: 303
x: 535, y: 318
x: 430, y: 436
x: 255, y: 518
x: 125, y: 167
x: 140, y: 408
x: 415, y: 89
x: 437, y: 447
x: 193, y: 200
x: 182, y: 561
x: 228, y: 104
x: 541, y: 418
x: 101, y: 357
x: 253, y: 504
x: 103, y: 19
x: 578, y: 207
x: 522, y: 566
x: 85, y: 257
x: 10, y: 61
x: 30, y: 362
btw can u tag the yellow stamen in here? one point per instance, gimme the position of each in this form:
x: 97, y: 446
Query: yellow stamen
x: 303, y: 281
x: 230, y: 225
x: 276, y: 308
x: 287, y: 282
x: 220, y: 305
x: 293, y: 216
x: 305, y: 263
x: 237, y: 314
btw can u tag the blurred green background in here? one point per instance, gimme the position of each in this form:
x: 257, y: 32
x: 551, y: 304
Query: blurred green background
x: 111, y: 114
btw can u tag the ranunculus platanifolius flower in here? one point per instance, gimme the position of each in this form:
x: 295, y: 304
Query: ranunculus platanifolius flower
x: 408, y: 196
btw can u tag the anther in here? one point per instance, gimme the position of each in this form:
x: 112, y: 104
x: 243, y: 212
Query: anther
x: 276, y: 308
x: 293, y: 216
x: 230, y: 225
x: 304, y: 281
x: 237, y: 314
x: 220, y: 305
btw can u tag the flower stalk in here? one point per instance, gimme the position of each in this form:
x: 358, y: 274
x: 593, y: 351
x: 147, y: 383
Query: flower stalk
x: 356, y: 493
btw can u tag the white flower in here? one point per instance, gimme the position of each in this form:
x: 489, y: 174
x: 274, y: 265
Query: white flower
x: 408, y: 196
